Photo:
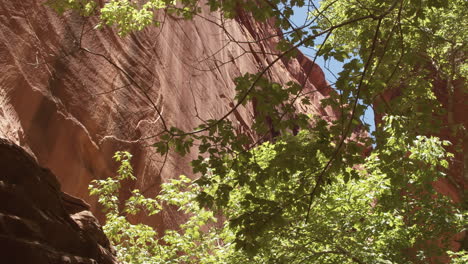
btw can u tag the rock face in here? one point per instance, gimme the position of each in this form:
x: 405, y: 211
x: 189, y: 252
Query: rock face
x: 41, y: 224
x: 453, y: 97
x: 72, y: 95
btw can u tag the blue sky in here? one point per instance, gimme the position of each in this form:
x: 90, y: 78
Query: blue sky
x: 331, y: 68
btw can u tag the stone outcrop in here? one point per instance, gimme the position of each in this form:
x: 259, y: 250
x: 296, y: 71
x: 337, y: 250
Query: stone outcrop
x: 38, y: 222
x: 72, y: 95
x: 453, y: 97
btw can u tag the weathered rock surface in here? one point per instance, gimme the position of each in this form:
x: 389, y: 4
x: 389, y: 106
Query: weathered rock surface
x: 72, y: 95
x: 453, y: 97
x: 454, y: 100
x: 38, y: 222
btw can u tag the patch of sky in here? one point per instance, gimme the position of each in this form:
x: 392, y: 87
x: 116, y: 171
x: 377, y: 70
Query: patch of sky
x: 330, y: 67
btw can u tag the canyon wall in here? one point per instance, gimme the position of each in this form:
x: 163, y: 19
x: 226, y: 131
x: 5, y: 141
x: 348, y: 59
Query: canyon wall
x: 73, y: 95
x: 453, y: 97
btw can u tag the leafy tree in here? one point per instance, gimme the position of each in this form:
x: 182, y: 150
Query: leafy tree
x: 367, y: 216
x: 140, y: 243
x: 312, y: 196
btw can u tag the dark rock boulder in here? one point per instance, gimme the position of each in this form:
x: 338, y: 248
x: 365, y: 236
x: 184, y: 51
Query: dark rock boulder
x: 38, y: 222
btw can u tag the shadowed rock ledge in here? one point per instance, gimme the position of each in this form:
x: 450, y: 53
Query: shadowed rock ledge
x: 41, y: 224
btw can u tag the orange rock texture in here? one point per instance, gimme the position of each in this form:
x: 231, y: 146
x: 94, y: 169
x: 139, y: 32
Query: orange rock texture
x: 73, y: 95
x: 453, y: 97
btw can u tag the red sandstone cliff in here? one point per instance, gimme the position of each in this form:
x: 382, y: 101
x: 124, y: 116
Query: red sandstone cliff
x: 453, y: 97
x: 72, y: 109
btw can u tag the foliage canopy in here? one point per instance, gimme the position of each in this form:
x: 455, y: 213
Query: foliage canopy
x: 312, y: 196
